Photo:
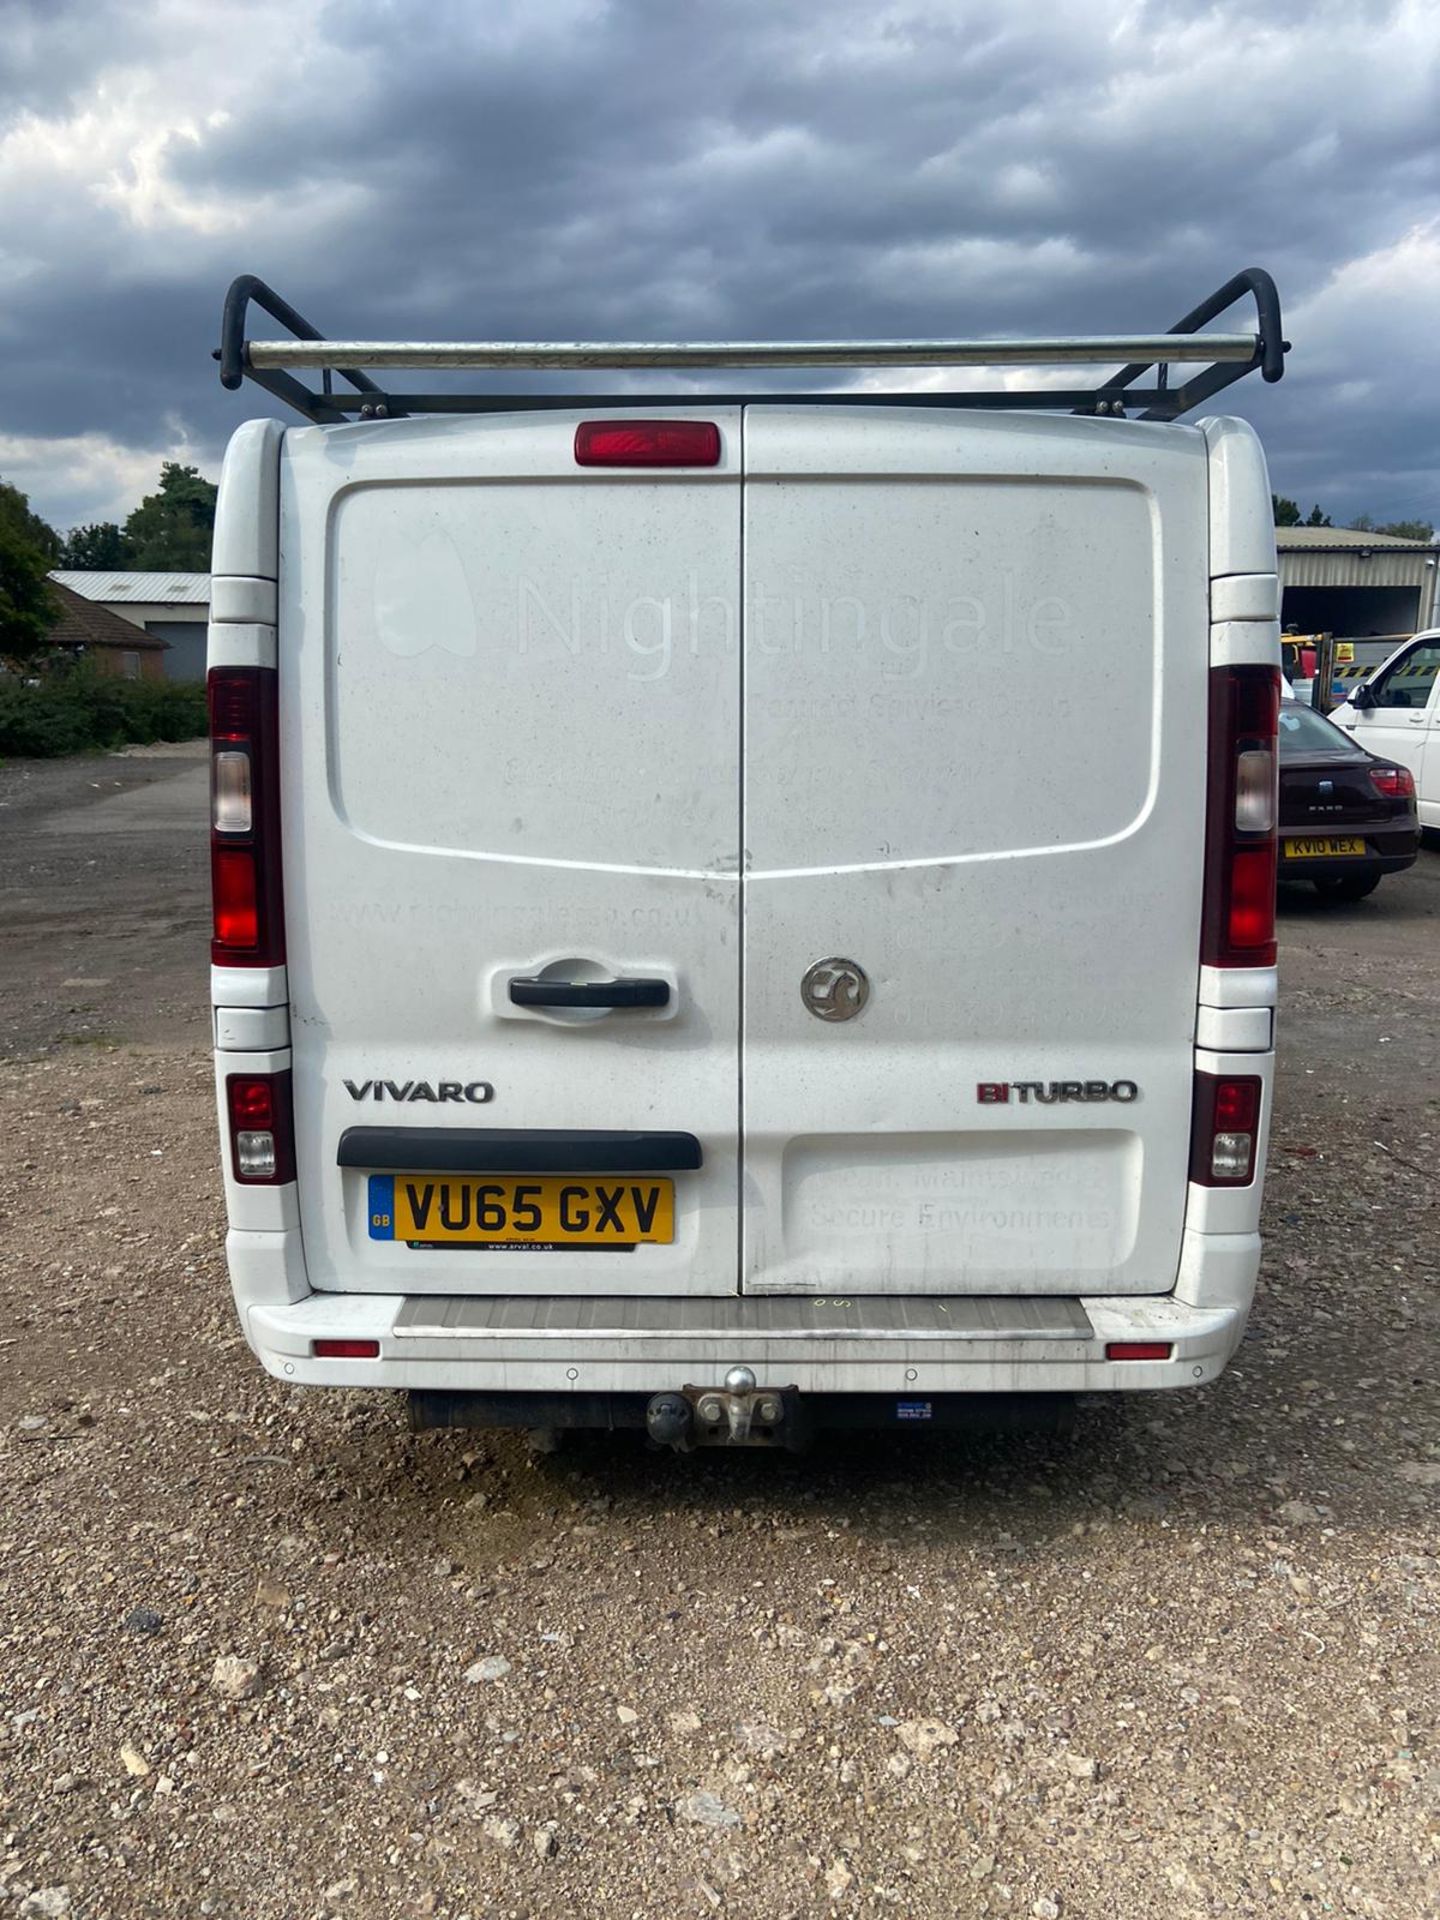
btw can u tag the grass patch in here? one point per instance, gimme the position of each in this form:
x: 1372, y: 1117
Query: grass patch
x: 80, y: 711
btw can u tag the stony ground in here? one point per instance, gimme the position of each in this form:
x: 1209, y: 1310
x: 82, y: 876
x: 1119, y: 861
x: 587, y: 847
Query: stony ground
x: 268, y: 1654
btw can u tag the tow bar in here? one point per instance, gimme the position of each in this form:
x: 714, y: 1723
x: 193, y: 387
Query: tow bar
x: 738, y: 1414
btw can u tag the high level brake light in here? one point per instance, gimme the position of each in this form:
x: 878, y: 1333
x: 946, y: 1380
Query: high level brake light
x: 1239, y: 915
x: 1225, y: 1129
x: 647, y: 443
x: 249, y: 927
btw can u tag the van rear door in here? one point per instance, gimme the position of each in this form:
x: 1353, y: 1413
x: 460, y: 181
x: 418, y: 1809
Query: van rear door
x: 974, y: 769
x: 510, y: 738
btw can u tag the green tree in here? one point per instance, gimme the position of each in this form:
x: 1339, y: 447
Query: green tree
x: 1287, y: 513
x: 171, y: 529
x: 28, y: 550
x: 1409, y: 530
x: 99, y: 547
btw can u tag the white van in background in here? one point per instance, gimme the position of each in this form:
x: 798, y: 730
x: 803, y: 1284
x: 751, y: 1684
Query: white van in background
x: 750, y: 914
x: 1395, y: 713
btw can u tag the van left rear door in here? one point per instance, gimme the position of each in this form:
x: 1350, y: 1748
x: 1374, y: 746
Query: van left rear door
x: 509, y: 696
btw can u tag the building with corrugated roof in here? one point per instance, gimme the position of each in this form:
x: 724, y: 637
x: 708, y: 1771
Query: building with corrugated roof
x: 173, y: 607
x: 91, y: 632
x: 1358, y: 586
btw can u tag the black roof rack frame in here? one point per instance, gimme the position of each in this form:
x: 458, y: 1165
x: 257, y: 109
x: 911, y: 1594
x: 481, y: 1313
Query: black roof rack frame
x: 1221, y: 358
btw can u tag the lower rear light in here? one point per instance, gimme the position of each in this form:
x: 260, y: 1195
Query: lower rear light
x: 345, y: 1349
x: 1138, y: 1350
x: 1239, y: 914
x: 1393, y: 783
x: 262, y: 1128
x: 1225, y: 1130
x: 647, y: 443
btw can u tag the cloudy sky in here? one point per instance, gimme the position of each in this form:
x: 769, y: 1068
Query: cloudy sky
x: 781, y: 168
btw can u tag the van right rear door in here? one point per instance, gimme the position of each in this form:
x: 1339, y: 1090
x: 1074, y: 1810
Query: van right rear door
x: 975, y: 693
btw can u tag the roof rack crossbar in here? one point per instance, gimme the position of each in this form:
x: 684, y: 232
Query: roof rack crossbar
x: 1220, y: 358
x: 996, y: 400
x: 564, y: 354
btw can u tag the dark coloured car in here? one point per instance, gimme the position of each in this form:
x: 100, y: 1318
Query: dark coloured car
x: 1347, y: 818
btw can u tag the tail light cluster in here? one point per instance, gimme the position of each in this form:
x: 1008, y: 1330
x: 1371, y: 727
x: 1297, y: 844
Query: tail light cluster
x: 1225, y: 1129
x: 1392, y: 783
x: 1239, y: 919
x: 249, y: 924
x: 262, y: 1131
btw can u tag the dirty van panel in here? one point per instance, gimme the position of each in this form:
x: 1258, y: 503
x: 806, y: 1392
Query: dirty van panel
x: 526, y: 676
x: 974, y: 743
x: 564, y: 648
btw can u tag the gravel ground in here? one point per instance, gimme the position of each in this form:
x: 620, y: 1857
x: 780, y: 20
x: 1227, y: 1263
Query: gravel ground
x: 268, y: 1654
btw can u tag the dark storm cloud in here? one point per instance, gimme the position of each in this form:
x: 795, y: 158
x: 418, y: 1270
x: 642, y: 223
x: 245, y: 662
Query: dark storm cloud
x: 650, y: 169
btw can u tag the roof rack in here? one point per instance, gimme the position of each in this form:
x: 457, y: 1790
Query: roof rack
x: 1222, y: 358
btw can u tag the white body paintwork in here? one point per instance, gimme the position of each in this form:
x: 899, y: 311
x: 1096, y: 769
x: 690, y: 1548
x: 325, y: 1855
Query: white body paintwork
x: 1408, y: 732
x: 838, y: 696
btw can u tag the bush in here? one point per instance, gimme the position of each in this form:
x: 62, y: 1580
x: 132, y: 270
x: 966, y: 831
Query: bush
x: 72, y: 712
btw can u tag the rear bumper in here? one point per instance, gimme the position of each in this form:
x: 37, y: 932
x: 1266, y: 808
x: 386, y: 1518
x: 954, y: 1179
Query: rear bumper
x: 865, y: 1344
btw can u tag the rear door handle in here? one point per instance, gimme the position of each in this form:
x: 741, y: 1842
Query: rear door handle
x: 589, y: 993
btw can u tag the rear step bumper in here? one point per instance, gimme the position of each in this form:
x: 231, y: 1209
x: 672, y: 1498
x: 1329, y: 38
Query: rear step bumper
x: 859, y: 1345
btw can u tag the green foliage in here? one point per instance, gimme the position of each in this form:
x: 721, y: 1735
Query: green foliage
x: 28, y: 550
x: 171, y: 529
x: 1419, y: 530
x: 77, y: 709
x: 1287, y: 513
x: 98, y: 548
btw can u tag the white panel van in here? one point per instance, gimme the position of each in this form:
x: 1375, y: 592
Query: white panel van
x: 741, y: 914
x: 1395, y: 712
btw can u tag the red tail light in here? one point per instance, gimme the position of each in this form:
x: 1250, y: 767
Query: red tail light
x: 1138, y: 1350
x: 1392, y: 783
x: 345, y: 1349
x: 249, y: 924
x: 262, y: 1128
x: 647, y: 443
x: 1225, y: 1129
x: 1239, y: 917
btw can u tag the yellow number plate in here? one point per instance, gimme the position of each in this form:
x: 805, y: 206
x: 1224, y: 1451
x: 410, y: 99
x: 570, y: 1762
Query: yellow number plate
x: 1321, y: 849
x: 548, y: 1214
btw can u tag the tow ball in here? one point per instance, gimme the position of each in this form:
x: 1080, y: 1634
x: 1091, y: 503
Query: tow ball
x: 738, y: 1414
